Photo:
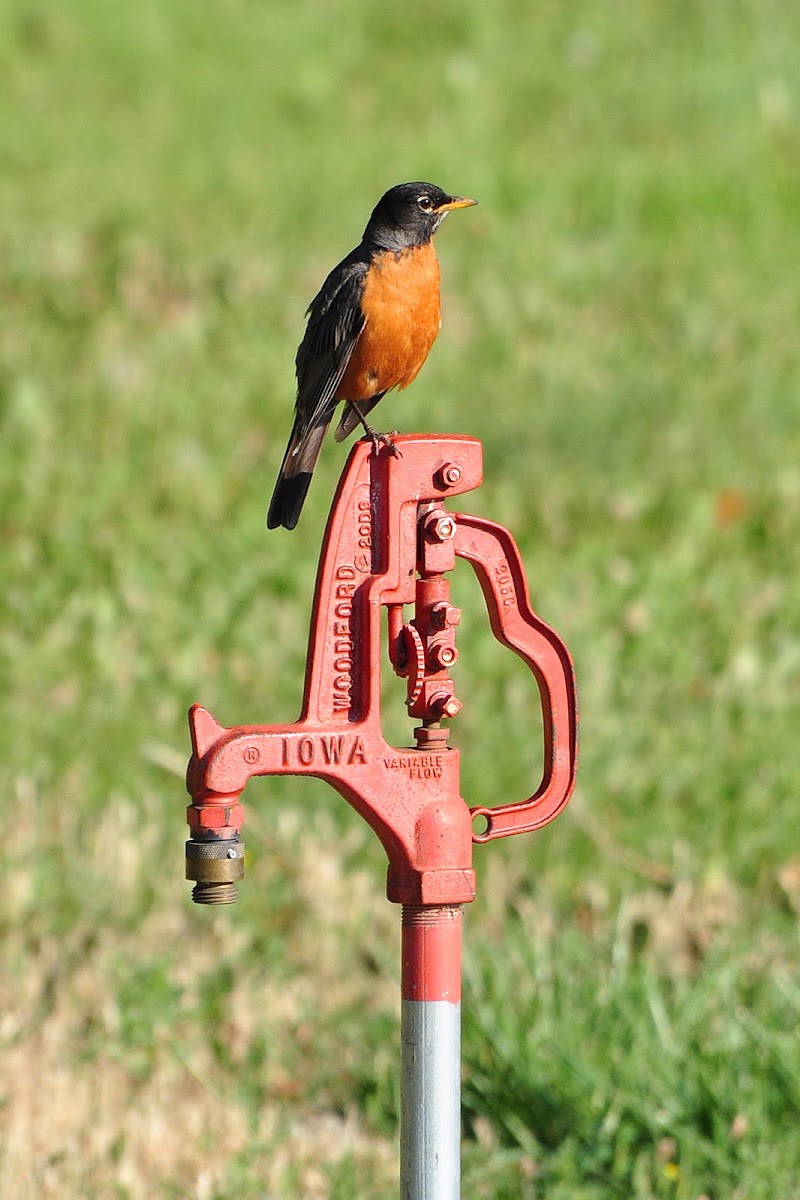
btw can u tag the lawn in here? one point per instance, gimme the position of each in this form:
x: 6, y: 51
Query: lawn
x: 621, y: 321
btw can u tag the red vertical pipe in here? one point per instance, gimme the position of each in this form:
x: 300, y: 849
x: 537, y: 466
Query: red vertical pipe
x: 431, y: 952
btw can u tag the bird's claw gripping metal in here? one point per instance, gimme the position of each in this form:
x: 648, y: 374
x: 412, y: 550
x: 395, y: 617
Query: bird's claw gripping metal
x: 389, y: 543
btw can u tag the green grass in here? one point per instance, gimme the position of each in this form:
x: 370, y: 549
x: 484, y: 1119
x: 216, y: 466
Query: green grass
x: 620, y: 330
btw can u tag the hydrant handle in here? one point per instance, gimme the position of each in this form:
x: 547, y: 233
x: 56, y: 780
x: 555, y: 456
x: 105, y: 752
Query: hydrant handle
x: 496, y: 560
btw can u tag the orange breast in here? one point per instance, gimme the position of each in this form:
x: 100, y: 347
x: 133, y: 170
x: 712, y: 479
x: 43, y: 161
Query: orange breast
x: 401, y: 305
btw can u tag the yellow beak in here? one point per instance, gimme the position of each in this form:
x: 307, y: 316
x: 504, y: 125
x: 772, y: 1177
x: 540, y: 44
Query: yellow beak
x: 456, y: 202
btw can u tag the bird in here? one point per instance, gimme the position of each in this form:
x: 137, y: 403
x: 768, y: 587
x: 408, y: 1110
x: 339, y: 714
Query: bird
x: 370, y: 329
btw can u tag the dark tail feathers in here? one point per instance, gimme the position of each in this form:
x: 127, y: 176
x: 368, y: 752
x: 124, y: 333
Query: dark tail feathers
x: 295, y: 475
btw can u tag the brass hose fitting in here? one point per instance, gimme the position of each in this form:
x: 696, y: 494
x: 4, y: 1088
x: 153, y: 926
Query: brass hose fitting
x: 215, y: 866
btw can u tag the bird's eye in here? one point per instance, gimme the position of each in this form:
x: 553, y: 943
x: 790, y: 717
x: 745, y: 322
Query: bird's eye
x: 425, y: 203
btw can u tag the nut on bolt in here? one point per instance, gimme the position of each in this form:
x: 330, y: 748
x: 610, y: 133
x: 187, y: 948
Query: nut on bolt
x: 439, y: 526
x: 443, y: 655
x: 448, y: 475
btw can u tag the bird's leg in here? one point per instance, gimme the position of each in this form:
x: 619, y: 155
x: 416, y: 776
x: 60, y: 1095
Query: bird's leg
x: 377, y: 439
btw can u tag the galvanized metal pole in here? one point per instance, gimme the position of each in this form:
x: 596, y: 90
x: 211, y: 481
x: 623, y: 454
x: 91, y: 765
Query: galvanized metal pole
x: 430, y: 1093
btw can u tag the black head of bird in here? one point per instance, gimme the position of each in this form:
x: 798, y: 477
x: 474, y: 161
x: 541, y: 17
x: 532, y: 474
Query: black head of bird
x: 409, y: 215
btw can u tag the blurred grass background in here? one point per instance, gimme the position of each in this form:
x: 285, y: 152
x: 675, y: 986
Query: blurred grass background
x: 620, y: 330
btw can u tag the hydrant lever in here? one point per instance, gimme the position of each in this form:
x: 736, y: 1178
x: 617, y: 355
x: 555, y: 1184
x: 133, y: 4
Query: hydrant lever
x: 388, y: 544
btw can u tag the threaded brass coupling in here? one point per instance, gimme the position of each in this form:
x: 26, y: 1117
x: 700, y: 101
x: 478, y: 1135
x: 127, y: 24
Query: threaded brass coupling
x: 215, y: 866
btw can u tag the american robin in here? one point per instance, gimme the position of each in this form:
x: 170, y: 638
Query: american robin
x: 370, y: 329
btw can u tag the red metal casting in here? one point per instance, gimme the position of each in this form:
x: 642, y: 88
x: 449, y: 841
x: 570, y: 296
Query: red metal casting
x: 388, y: 544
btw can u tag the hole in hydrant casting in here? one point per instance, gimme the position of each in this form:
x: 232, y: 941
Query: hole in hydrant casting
x: 480, y: 824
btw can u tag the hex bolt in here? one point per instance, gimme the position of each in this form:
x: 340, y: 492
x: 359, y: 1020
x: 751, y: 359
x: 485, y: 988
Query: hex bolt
x: 439, y: 527
x: 448, y: 475
x: 444, y: 614
x: 446, y: 704
x: 443, y: 656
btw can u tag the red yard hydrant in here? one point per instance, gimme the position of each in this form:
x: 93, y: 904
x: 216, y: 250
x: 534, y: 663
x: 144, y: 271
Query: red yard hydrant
x: 389, y: 543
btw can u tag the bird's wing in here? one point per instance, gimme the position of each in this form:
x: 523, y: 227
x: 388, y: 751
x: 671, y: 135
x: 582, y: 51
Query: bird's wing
x: 335, y: 321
